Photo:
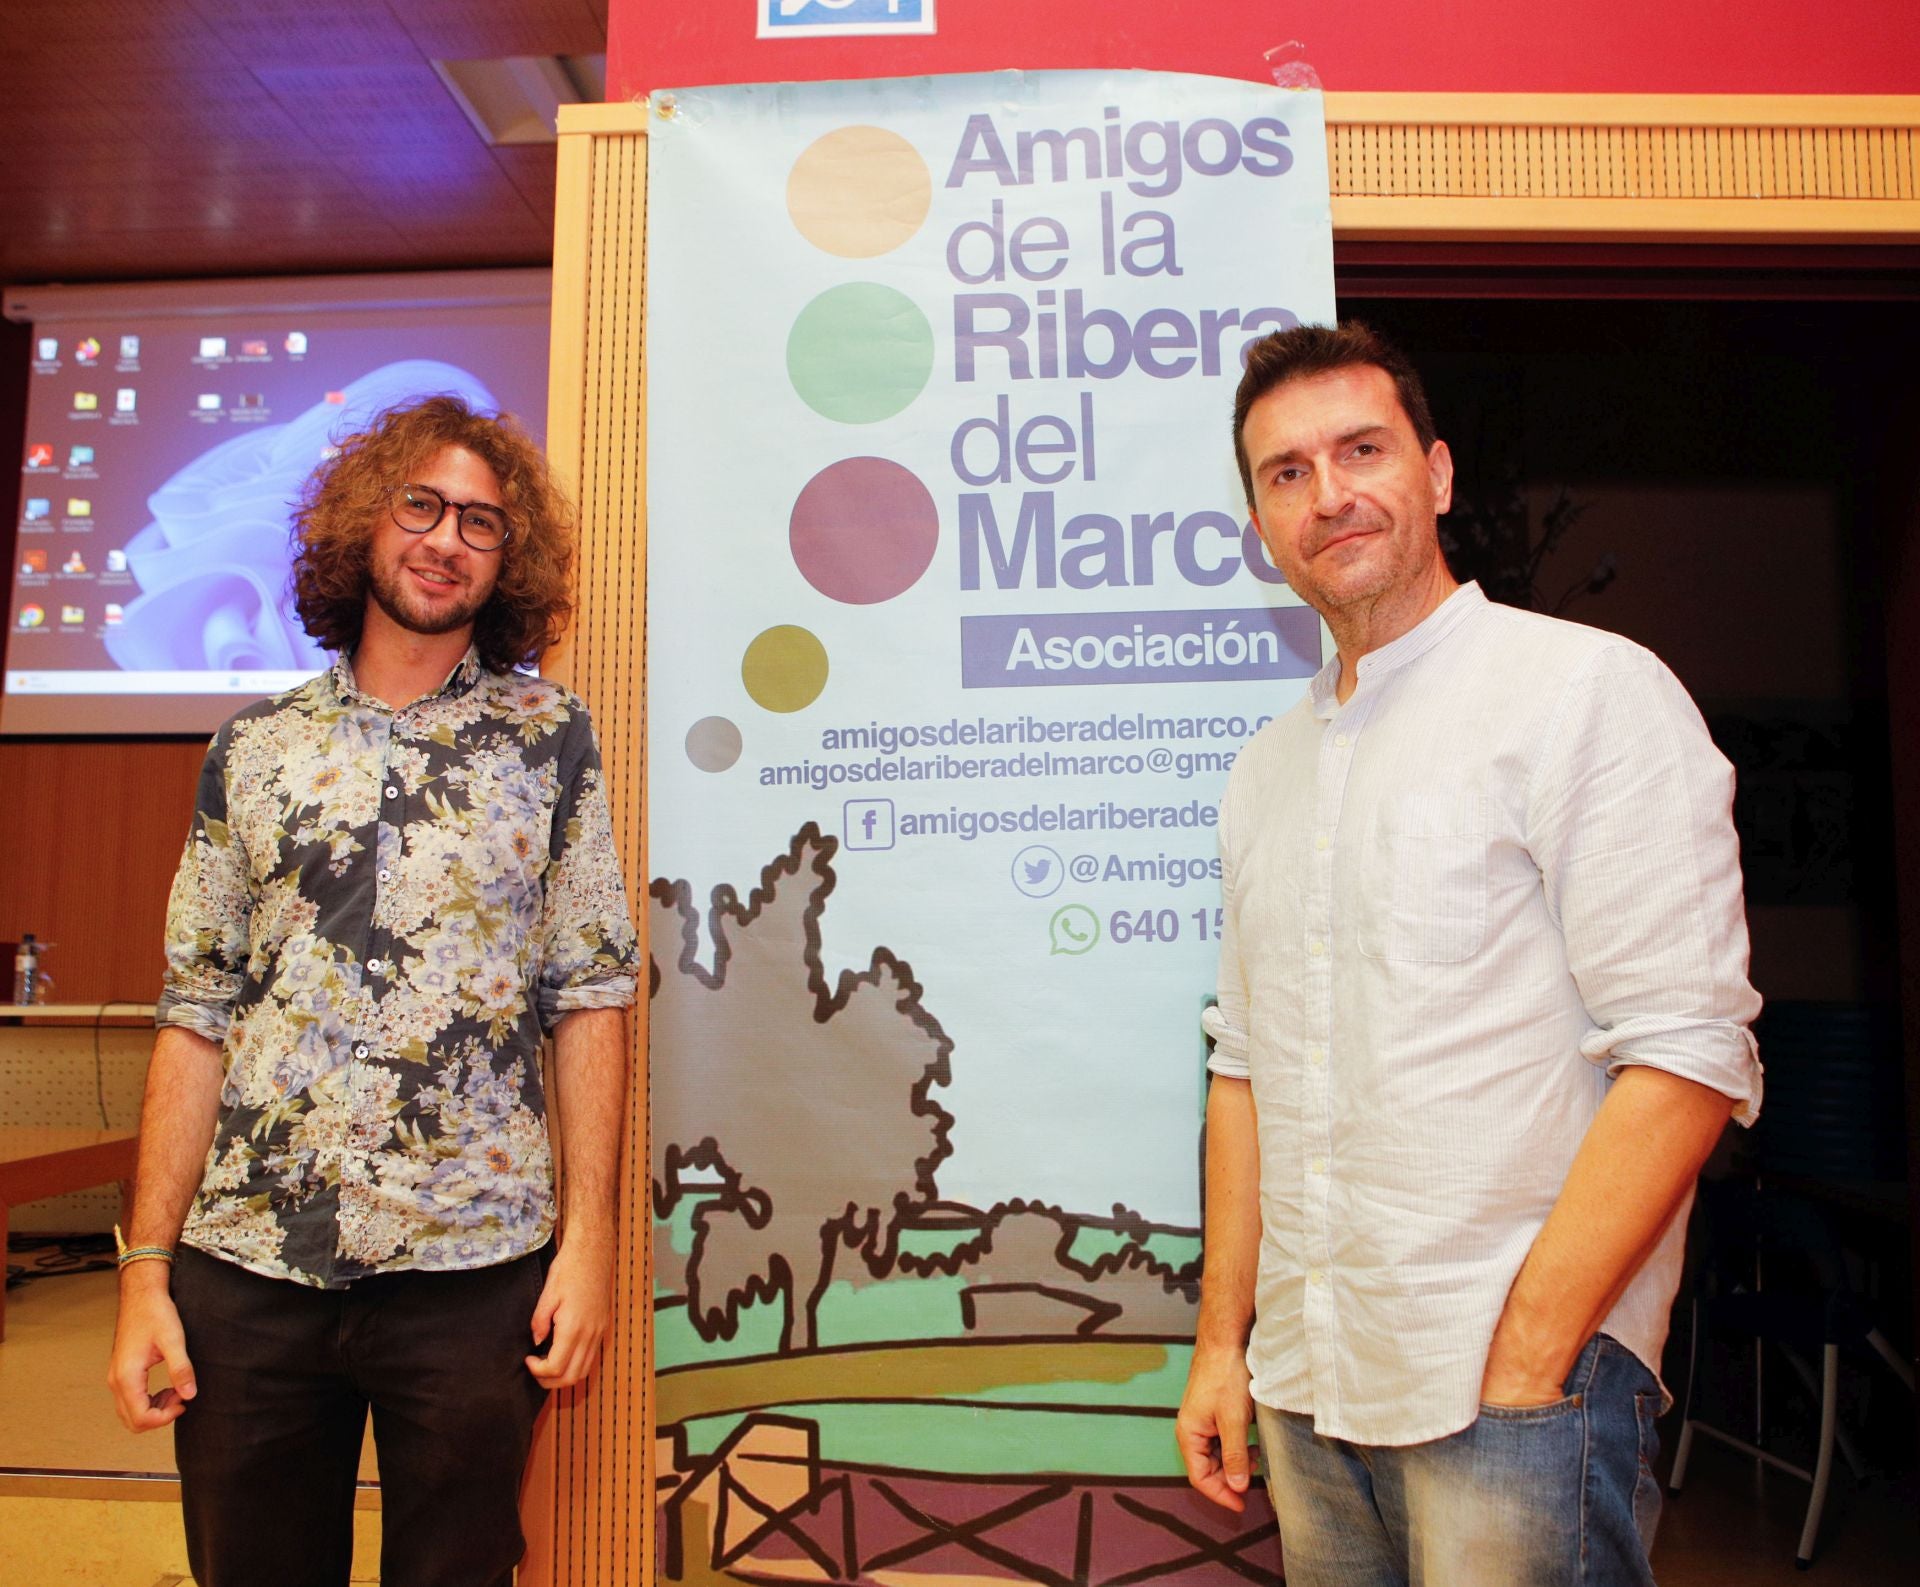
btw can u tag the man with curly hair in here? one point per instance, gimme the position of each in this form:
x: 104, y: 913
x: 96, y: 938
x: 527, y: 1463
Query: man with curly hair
x: 400, y: 878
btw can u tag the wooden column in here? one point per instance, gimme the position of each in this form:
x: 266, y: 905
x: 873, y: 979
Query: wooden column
x: 587, y: 1500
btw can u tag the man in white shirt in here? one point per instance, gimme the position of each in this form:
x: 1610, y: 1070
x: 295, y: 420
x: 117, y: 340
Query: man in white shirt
x: 1482, y: 1015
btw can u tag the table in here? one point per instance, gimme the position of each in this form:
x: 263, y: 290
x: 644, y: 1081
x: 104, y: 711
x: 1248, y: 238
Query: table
x: 49, y: 1160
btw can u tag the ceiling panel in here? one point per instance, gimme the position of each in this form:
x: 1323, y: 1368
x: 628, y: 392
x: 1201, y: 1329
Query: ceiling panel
x: 268, y: 33
x: 401, y: 106
x: 183, y: 113
x: 462, y: 30
x: 532, y: 168
x: 190, y: 137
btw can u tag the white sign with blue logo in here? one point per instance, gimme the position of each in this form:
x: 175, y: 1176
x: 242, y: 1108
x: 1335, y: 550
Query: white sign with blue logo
x: 812, y: 19
x: 949, y: 564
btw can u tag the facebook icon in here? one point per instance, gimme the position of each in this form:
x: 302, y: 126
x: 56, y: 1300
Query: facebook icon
x: 869, y: 823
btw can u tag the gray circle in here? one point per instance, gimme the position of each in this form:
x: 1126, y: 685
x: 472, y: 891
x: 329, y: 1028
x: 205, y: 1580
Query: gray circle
x: 713, y: 743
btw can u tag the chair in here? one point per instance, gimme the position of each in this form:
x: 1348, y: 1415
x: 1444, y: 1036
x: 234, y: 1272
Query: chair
x: 1768, y: 1265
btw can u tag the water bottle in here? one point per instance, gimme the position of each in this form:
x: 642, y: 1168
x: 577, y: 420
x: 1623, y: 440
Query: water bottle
x: 26, y: 971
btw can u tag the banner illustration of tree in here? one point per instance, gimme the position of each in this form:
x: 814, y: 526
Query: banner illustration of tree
x: 955, y: 624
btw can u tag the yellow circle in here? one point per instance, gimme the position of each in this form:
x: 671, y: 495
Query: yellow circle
x: 859, y: 191
x: 784, y: 669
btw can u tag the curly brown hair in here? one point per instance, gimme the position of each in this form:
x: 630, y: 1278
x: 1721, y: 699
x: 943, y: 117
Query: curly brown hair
x: 344, y: 497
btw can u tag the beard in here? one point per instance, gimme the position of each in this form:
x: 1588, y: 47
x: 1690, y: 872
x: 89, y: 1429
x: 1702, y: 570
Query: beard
x: 1336, y: 588
x: 392, y: 595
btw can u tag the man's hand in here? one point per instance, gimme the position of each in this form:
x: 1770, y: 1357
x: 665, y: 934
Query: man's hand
x: 147, y: 1333
x: 1518, y: 1376
x: 1211, y: 1428
x: 573, y: 1306
x: 1628, y: 1181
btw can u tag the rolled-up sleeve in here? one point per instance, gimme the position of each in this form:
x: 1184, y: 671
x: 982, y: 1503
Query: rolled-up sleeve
x: 1225, y: 1020
x: 588, y: 946
x: 1631, y: 824
x: 209, y: 911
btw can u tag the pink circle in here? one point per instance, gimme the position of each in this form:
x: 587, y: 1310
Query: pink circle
x: 863, y: 530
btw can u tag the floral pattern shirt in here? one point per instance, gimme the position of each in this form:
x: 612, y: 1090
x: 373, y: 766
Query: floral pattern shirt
x: 378, y: 915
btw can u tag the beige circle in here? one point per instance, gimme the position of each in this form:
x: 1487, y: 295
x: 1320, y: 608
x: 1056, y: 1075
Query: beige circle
x: 859, y: 191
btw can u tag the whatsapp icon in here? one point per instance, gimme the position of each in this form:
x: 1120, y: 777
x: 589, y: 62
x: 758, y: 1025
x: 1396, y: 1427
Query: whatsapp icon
x: 1074, y: 929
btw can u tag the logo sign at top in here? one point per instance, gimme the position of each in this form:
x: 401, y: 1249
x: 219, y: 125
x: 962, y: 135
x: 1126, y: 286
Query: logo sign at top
x: 801, y: 19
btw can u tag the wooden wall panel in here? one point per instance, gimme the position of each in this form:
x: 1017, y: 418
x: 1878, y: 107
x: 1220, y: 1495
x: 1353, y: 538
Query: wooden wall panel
x: 588, y: 1514
x: 93, y: 832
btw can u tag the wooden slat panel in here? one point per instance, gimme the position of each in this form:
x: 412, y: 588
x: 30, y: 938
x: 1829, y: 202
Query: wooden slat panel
x: 1758, y: 163
x: 589, y: 1510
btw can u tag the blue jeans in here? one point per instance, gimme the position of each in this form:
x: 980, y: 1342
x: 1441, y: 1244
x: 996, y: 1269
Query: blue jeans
x: 1555, y: 1495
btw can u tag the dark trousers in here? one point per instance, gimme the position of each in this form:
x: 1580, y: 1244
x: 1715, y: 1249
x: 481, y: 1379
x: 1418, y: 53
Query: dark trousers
x: 269, y: 1448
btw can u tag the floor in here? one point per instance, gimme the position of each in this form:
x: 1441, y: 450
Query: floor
x: 57, y: 1420
x: 1733, y: 1527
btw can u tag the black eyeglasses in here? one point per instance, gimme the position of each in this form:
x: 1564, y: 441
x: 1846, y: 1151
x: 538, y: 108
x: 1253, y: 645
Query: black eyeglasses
x: 418, y: 509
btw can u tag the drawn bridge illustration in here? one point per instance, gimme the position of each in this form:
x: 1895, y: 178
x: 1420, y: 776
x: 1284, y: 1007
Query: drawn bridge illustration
x: 858, y: 1381
x: 766, y: 1507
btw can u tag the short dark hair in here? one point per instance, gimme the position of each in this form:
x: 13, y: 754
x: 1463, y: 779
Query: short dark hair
x: 333, y: 523
x: 1318, y: 350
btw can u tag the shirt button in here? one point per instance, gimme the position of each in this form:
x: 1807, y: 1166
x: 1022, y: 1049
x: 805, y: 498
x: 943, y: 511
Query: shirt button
x: 374, y: 966
x: 360, y: 1049
x: 1340, y: 741
x: 383, y: 876
x: 1315, y: 1276
x: 1316, y: 947
x: 1316, y: 1056
x: 392, y: 792
x: 1318, y: 1165
x: 1320, y: 840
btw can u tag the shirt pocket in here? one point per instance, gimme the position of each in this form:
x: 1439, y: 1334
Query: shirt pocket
x: 1424, y: 878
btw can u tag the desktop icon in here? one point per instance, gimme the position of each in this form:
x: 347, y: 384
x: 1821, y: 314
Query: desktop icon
x: 252, y: 399
x: 253, y: 347
x: 112, y: 613
x: 296, y: 342
x: 75, y: 563
x: 213, y: 347
x: 116, y: 561
x: 49, y: 349
x: 207, y: 402
x: 38, y: 507
x: 72, y: 616
x: 79, y: 457
x: 123, y: 400
x: 79, y: 507
x: 33, y: 562
x: 40, y: 454
x: 129, y: 347
x: 32, y: 616
x: 87, y: 350
x: 86, y: 402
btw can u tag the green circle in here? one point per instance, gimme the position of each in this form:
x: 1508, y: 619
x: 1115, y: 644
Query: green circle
x: 860, y: 353
x: 784, y: 669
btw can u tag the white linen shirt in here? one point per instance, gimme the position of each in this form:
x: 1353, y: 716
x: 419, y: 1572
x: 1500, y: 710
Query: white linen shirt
x: 1455, y: 907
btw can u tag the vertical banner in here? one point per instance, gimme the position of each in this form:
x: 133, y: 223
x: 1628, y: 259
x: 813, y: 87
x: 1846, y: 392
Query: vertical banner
x: 955, y: 624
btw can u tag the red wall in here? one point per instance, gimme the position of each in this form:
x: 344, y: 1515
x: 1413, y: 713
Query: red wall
x: 1495, y: 46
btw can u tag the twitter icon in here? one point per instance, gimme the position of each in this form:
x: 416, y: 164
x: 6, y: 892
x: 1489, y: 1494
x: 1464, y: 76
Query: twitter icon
x: 1038, y: 871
